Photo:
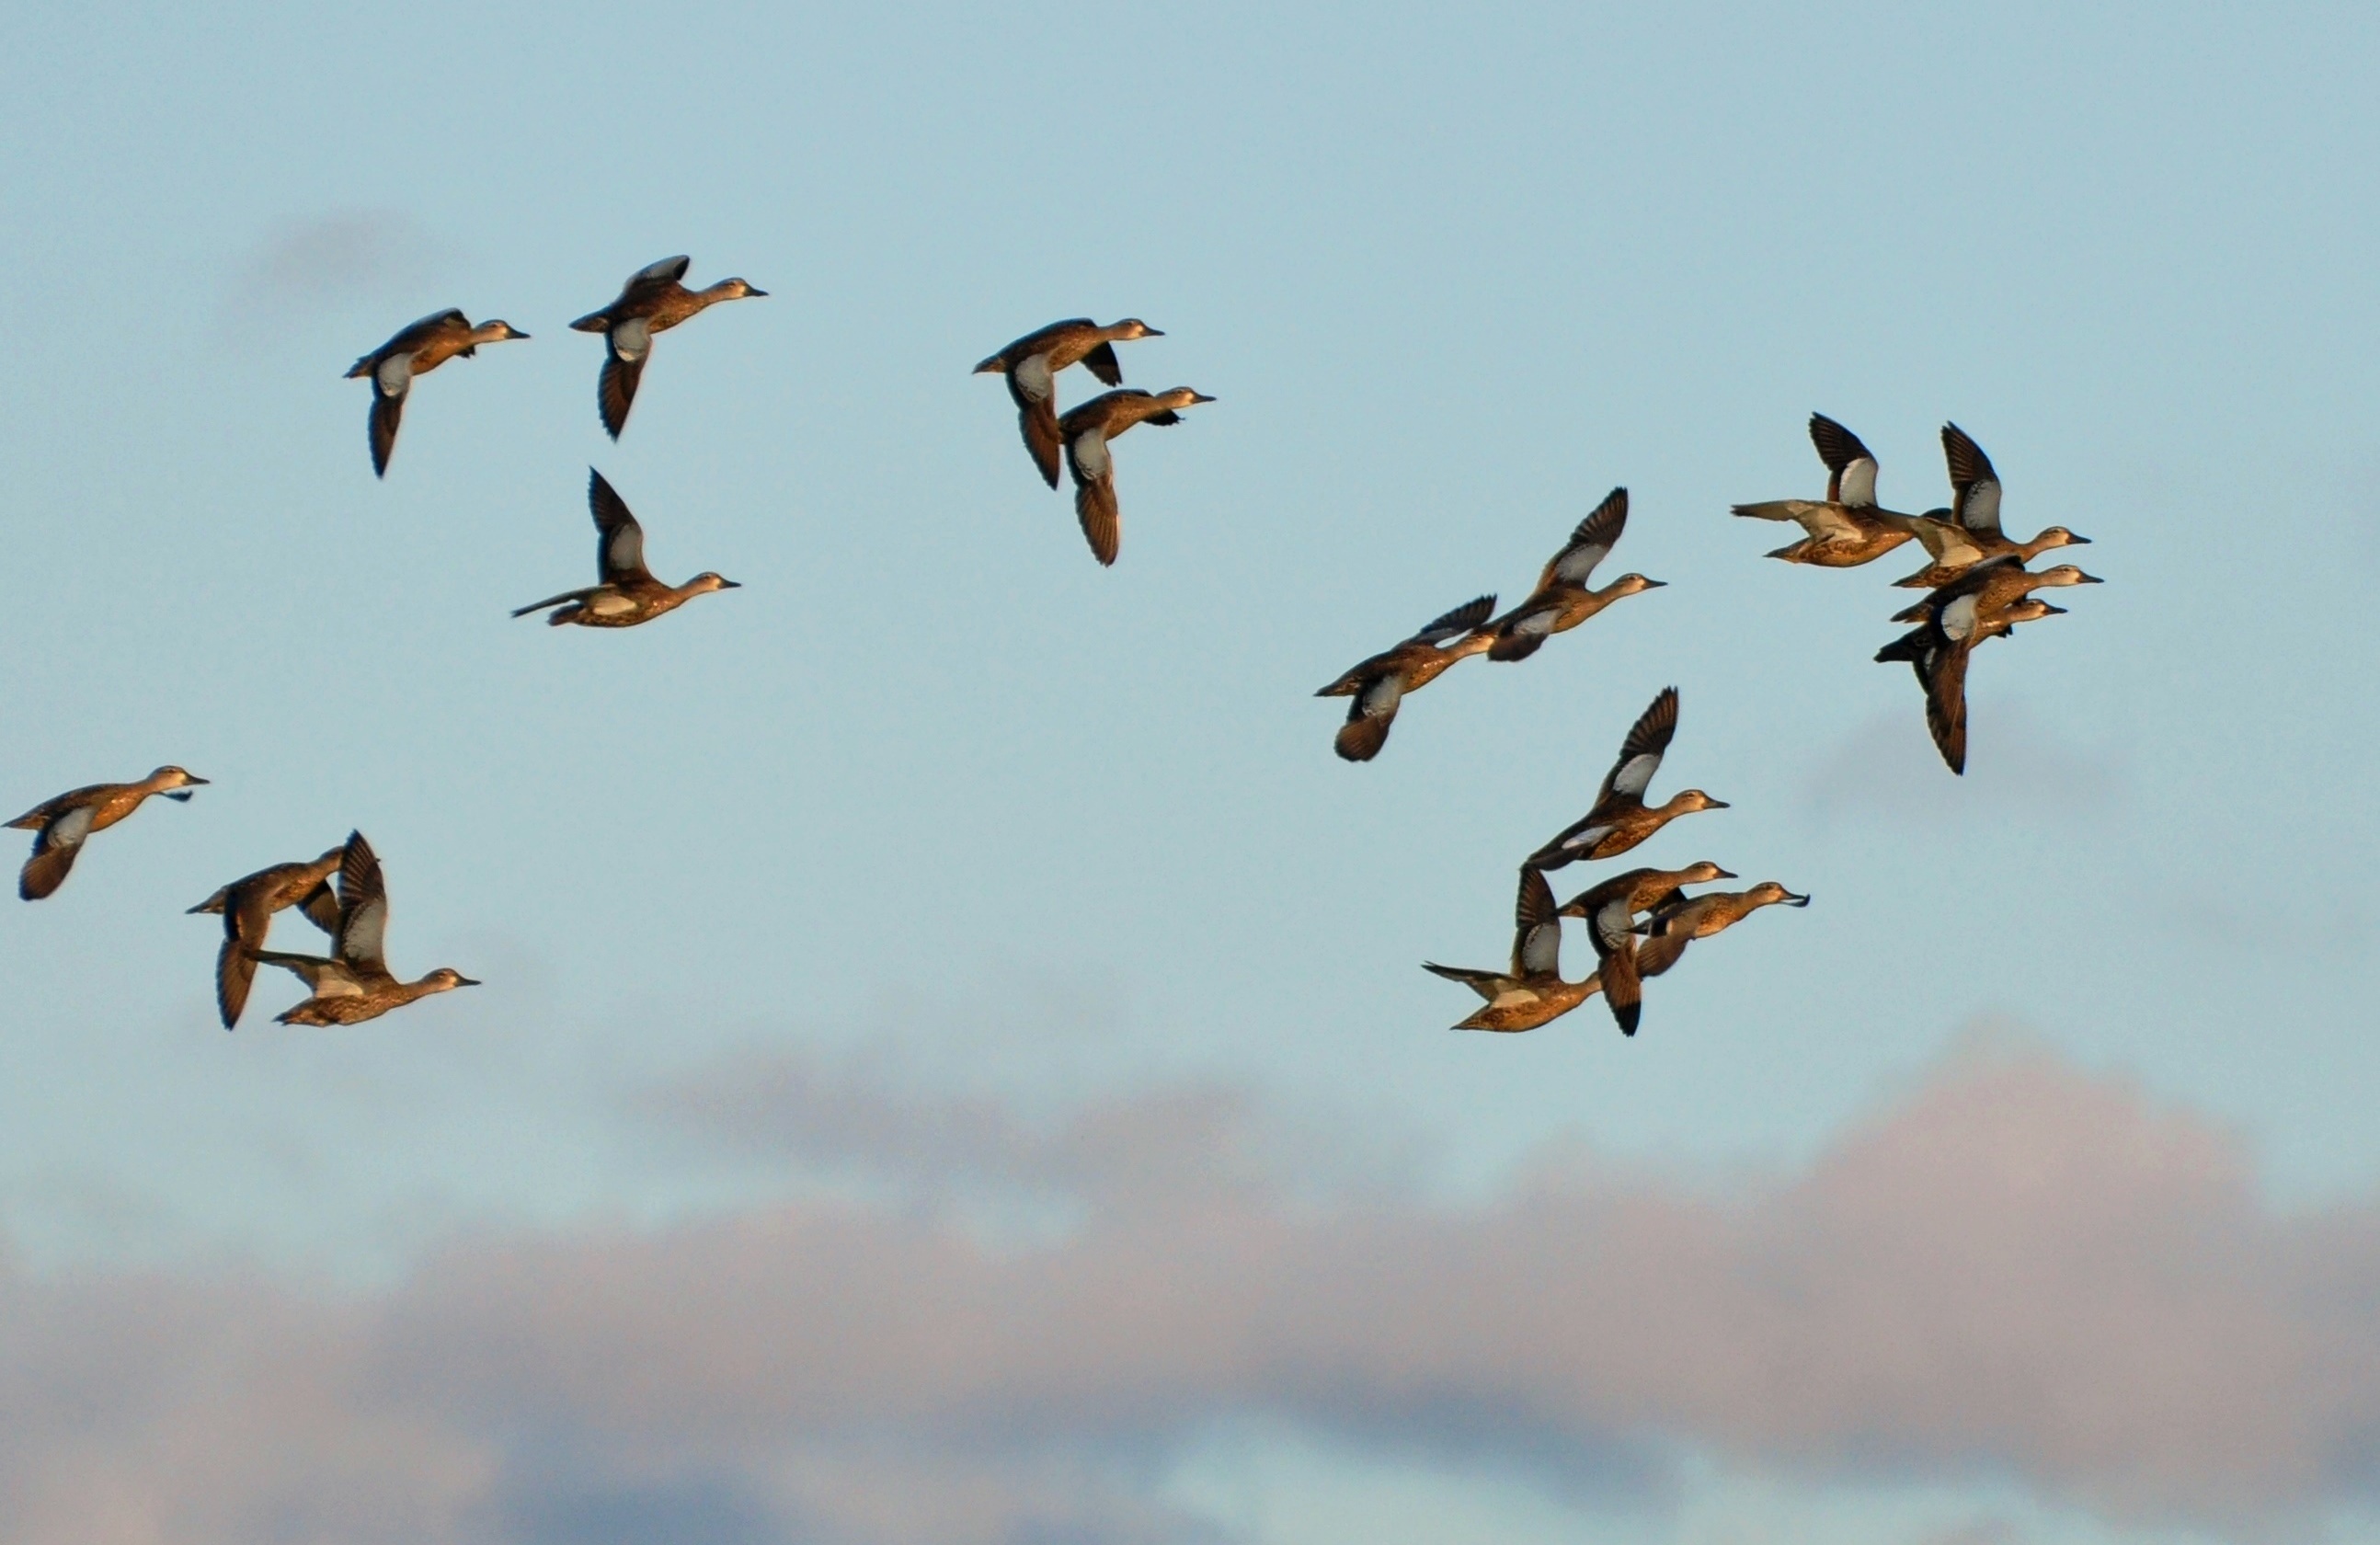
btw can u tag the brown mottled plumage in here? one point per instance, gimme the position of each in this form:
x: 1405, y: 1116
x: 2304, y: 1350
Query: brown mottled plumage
x: 1562, y: 600
x: 653, y: 300
x: 248, y: 904
x: 1619, y: 817
x: 1087, y: 430
x: 353, y: 983
x: 1678, y: 923
x: 1533, y: 992
x: 1846, y: 529
x: 1610, y: 911
x: 1380, y: 684
x: 65, y: 821
x: 630, y: 594
x: 417, y: 350
x: 1031, y: 365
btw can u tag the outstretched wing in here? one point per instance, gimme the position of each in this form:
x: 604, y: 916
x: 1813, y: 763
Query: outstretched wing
x: 1946, y: 705
x: 1851, y: 469
x: 55, y: 851
x: 1589, y: 543
x: 619, y: 541
x: 1095, y: 499
x: 1537, y: 927
x: 1640, y: 754
x: 652, y: 280
x: 1975, y: 501
x: 363, y: 909
x: 1102, y: 363
x: 1454, y: 623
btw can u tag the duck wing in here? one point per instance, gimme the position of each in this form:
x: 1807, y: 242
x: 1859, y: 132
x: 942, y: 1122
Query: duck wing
x: 1590, y: 543
x: 1095, y: 500
x: 1851, y: 469
x: 1640, y: 754
x: 1035, y: 391
x: 1946, y: 704
x: 1465, y: 618
x: 245, y: 923
x: 363, y: 910
x: 619, y: 541
x: 322, y: 908
x: 651, y: 282
x: 1975, y: 501
x: 54, y: 850
x: 1101, y: 361
x: 1488, y: 984
x: 625, y: 348
x: 327, y: 979
x: 1612, y: 927
x: 391, y: 379
x: 1537, y: 927
x: 1373, y: 710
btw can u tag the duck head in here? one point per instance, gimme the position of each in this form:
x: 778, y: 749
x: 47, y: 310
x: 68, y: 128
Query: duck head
x: 1181, y: 396
x: 1704, y: 873
x: 496, y: 331
x: 737, y: 289
x: 170, y: 780
x: 1636, y: 584
x: 711, y: 581
x: 1131, y: 328
x: 445, y: 979
x: 1770, y: 894
x: 1688, y: 800
x: 2066, y: 574
x: 2059, y: 536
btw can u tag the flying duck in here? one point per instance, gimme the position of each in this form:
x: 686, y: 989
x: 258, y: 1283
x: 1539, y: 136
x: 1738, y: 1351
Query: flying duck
x: 630, y: 594
x: 651, y: 302
x: 1533, y: 992
x: 1621, y: 819
x: 1380, y: 684
x: 1847, y: 528
x: 1969, y: 531
x: 1562, y: 600
x: 1087, y: 431
x: 1995, y: 583
x: 353, y: 984
x: 1610, y: 911
x: 248, y: 904
x: 417, y: 350
x: 65, y: 821
x: 1678, y: 923
x: 1033, y: 362
x: 1937, y: 650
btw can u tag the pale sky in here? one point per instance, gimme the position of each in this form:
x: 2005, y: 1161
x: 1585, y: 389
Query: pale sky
x: 953, y: 1063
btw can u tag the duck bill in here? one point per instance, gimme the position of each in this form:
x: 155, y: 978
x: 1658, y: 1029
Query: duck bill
x: 1793, y: 900
x: 1728, y: 874
x: 1200, y: 396
x: 193, y: 780
x: 752, y: 294
x: 468, y: 981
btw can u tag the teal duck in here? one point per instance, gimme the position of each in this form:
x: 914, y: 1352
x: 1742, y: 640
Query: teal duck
x: 1682, y: 920
x: 1533, y: 992
x: 1968, y: 532
x: 629, y: 594
x: 653, y: 300
x: 248, y: 904
x: 1380, y: 684
x: 1937, y: 650
x: 1610, y: 910
x: 1621, y: 819
x: 1847, y: 528
x: 417, y: 350
x: 1087, y: 431
x: 63, y: 822
x: 1995, y: 583
x: 353, y: 983
x: 1031, y: 365
x: 1562, y: 600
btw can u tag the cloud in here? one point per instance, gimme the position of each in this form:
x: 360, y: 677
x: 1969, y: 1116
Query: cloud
x: 327, y: 262
x: 2018, y: 1272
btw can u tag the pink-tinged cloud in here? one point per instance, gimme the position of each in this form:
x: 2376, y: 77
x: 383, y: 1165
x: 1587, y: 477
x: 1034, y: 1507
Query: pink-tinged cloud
x: 2020, y: 1271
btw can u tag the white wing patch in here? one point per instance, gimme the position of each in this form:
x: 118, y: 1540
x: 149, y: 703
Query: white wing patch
x: 1381, y: 697
x: 1858, y: 485
x: 1513, y: 997
x: 1541, y: 950
x: 394, y: 375
x: 1613, y: 922
x: 68, y: 830
x: 626, y: 549
x: 1959, y: 618
x: 1589, y: 837
x: 360, y: 935
x: 1635, y: 774
x: 1091, y: 455
x: 1982, y: 510
x: 668, y: 268
x: 608, y: 603
x: 1033, y: 377
x: 1535, y: 625
x: 1579, y: 561
x: 632, y: 339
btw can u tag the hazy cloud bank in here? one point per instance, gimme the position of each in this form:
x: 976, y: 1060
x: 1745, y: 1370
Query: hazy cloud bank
x: 2017, y: 1271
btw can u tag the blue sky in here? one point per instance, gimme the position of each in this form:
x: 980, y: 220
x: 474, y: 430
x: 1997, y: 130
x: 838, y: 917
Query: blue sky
x: 935, y: 797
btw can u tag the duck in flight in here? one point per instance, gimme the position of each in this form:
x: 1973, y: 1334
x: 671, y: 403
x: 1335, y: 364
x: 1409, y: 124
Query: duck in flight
x: 248, y: 904
x: 628, y: 593
x: 1682, y: 920
x: 653, y: 300
x: 1610, y: 910
x: 1621, y: 819
x: 417, y: 350
x: 1995, y: 583
x: 353, y: 983
x: 1847, y: 528
x: 1562, y: 600
x: 1087, y: 431
x: 63, y: 824
x: 1031, y: 365
x: 1533, y: 992
x: 1380, y: 684
x: 1938, y: 648
x: 1968, y: 532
